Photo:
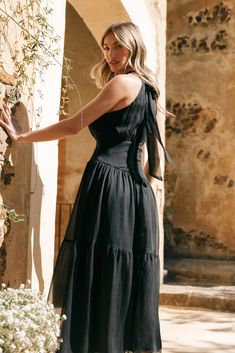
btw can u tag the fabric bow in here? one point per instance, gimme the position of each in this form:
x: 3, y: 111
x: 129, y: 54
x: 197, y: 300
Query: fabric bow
x: 153, y: 135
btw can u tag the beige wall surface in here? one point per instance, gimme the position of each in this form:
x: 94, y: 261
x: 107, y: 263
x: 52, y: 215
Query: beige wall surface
x: 200, y: 186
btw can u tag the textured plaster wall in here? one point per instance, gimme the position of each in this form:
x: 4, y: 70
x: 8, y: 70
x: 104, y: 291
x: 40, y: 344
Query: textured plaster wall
x: 200, y: 187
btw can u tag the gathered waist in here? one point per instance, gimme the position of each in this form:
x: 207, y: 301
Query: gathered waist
x: 125, y: 155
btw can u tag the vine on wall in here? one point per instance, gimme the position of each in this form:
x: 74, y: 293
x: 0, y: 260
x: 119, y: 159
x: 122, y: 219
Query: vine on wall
x: 7, y: 215
x: 28, y: 46
x: 32, y: 49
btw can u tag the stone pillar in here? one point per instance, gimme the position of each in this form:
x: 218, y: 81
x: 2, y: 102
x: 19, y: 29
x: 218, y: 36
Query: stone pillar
x: 29, y: 248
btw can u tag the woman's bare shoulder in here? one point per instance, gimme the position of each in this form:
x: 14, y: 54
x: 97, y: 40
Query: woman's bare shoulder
x: 125, y: 87
x: 128, y: 84
x: 126, y: 80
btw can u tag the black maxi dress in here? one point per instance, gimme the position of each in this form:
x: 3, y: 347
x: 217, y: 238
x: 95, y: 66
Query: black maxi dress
x: 106, y: 279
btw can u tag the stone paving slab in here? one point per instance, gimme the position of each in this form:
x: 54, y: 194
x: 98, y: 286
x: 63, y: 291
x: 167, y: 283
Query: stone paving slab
x: 220, y: 298
x: 197, y: 331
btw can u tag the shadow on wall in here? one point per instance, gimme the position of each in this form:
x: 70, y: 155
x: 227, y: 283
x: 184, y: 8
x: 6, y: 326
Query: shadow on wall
x: 34, y: 247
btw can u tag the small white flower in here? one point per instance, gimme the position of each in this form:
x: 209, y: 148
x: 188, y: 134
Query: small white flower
x: 64, y: 317
x: 27, y: 308
x: 20, y: 334
x: 12, y: 346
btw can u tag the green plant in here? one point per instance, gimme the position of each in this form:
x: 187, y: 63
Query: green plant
x: 10, y: 214
x: 7, y: 215
x: 36, y: 47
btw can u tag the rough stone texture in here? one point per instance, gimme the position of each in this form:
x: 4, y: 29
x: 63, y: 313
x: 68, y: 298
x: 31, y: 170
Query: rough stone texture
x: 15, y: 170
x: 3, y: 147
x: 3, y: 255
x: 200, y: 190
x: 6, y: 168
x: 16, y: 194
x: 6, y: 78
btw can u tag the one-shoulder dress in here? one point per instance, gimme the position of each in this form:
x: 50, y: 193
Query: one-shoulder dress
x: 106, y: 278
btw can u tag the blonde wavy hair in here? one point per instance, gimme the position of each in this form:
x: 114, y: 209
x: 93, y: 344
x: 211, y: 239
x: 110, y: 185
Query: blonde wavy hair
x: 128, y: 35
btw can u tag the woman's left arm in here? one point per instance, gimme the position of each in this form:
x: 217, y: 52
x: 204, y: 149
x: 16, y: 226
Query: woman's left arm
x: 114, y: 91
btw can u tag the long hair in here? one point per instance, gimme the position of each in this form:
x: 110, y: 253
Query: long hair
x: 128, y: 34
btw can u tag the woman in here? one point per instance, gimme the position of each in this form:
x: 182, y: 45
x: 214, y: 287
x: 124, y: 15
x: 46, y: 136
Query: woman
x: 106, y: 279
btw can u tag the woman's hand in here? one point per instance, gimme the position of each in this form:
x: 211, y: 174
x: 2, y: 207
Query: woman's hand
x: 10, y: 123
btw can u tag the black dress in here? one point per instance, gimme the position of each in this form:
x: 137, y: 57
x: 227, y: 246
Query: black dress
x: 106, y: 278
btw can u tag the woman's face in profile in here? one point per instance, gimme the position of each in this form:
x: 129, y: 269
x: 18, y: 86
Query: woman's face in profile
x: 115, y: 54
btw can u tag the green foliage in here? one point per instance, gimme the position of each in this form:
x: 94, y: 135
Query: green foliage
x: 36, y: 46
x: 10, y: 214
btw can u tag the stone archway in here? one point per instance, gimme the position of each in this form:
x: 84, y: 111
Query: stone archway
x: 93, y: 14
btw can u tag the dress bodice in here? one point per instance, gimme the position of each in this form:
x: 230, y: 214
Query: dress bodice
x: 131, y: 127
x: 122, y: 124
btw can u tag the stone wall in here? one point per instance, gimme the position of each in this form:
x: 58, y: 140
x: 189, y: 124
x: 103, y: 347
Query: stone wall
x: 15, y: 165
x: 200, y: 189
x: 15, y: 191
x: 28, y: 250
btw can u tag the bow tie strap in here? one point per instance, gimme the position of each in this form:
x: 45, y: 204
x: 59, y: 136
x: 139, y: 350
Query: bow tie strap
x: 153, y: 135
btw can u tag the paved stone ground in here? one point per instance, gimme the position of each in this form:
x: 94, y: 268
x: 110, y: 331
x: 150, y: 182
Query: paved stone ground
x: 197, y: 331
